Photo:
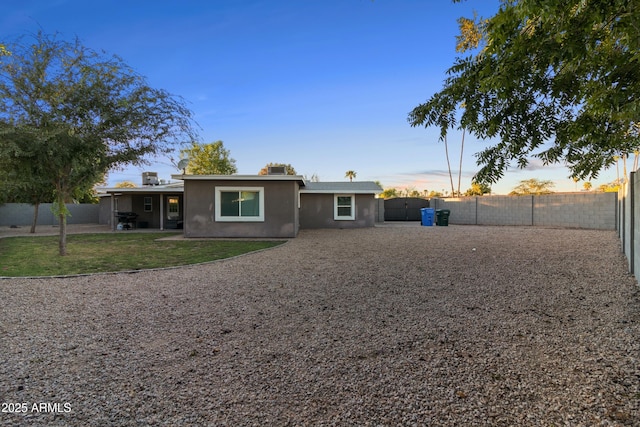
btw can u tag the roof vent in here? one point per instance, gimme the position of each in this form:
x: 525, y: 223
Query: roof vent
x: 276, y: 170
x: 150, y: 178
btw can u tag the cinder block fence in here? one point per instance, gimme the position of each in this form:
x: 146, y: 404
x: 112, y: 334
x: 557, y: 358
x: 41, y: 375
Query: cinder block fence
x: 21, y: 214
x: 571, y: 210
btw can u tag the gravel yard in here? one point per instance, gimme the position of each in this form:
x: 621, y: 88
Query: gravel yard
x: 394, y: 325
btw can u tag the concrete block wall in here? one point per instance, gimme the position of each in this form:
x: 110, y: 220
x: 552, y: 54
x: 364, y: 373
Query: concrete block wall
x: 21, y: 214
x: 577, y: 210
x: 464, y: 207
x: 505, y: 210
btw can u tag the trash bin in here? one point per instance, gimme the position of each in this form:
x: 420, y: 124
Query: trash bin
x: 428, y: 215
x: 442, y: 217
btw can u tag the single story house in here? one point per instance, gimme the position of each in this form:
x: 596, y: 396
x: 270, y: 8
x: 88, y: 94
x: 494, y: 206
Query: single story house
x: 268, y: 206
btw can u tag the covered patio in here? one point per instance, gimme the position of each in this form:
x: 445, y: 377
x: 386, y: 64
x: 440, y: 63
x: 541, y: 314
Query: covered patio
x: 155, y: 207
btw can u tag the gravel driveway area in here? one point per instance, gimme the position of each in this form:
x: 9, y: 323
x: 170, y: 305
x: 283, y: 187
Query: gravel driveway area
x: 393, y: 325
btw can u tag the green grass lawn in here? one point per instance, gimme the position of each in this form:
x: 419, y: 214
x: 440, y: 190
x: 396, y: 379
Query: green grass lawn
x: 106, y: 252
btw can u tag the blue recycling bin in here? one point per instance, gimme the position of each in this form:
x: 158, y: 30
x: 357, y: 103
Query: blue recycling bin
x: 428, y: 216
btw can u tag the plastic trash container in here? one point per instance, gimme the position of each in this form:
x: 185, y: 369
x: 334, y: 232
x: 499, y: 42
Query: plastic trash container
x: 442, y: 217
x: 428, y: 216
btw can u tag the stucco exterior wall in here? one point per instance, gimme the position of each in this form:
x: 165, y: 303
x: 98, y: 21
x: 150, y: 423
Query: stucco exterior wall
x: 316, y: 211
x: 280, y: 210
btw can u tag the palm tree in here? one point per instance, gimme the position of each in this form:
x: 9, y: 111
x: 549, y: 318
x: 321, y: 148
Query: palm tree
x: 350, y: 174
x: 446, y: 151
x: 460, y: 166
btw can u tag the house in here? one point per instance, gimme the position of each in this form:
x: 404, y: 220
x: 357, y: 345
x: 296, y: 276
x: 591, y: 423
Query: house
x: 252, y: 206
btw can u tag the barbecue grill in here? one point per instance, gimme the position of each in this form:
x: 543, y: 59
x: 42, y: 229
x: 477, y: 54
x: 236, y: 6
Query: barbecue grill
x: 127, y: 219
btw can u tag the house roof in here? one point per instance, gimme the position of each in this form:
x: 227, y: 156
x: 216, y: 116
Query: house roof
x: 356, y: 187
x: 298, y: 178
x: 176, y: 187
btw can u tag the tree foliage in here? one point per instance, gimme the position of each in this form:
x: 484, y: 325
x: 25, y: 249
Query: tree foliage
x: 73, y: 114
x: 557, y: 80
x: 209, y: 159
x: 389, y: 193
x: 125, y: 184
x: 478, y: 189
x: 533, y: 186
x: 290, y: 170
x: 611, y: 187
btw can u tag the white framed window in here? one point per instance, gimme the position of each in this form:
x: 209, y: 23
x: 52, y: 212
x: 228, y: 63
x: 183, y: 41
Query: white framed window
x: 239, y: 204
x: 148, y: 206
x: 344, y: 207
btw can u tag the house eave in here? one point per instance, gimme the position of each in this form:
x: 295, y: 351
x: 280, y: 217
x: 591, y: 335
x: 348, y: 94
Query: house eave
x: 339, y: 191
x: 142, y: 190
x: 297, y: 178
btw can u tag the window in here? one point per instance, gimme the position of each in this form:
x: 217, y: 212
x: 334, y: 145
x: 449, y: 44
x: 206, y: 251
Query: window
x: 147, y: 204
x: 173, y: 208
x: 240, y: 204
x: 344, y: 207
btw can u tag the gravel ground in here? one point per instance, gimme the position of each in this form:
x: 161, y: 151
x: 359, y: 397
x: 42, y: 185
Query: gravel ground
x: 394, y: 325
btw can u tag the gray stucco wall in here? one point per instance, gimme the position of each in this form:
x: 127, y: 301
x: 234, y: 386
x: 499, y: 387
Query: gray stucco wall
x: 21, y: 214
x: 316, y: 211
x: 280, y: 210
x: 579, y: 210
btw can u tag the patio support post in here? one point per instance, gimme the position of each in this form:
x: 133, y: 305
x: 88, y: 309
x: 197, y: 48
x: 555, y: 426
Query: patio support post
x: 112, y: 220
x: 161, y: 211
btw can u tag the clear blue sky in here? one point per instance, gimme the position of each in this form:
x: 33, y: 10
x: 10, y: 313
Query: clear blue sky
x: 324, y: 85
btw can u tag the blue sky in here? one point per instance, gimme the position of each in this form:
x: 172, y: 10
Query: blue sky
x: 325, y: 85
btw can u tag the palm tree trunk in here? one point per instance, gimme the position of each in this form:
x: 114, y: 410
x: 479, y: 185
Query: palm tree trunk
x: 460, y: 166
x: 446, y: 150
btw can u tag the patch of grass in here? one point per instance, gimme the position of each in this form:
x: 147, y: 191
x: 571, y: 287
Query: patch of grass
x: 106, y: 252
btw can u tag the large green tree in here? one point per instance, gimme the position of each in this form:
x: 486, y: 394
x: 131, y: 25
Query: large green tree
x: 556, y: 79
x: 208, y: 159
x: 74, y: 114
